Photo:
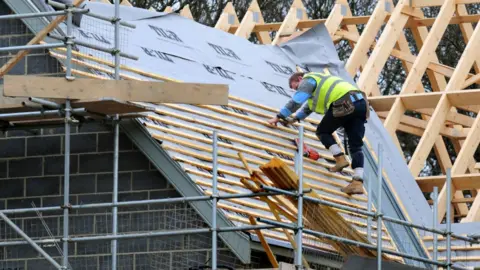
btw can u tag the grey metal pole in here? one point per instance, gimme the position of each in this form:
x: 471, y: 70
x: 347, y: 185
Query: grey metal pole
x: 435, y: 236
x: 115, y: 191
x: 369, y: 209
x: 379, y: 208
x: 348, y: 241
x: 32, y: 15
x: 449, y: 222
x: 40, y: 113
x: 69, y: 42
x: 299, y: 228
x: 142, y: 202
x: 30, y: 241
x: 32, y: 47
x: 215, y: 200
x: 116, y: 20
x: 66, y: 185
x: 43, y: 102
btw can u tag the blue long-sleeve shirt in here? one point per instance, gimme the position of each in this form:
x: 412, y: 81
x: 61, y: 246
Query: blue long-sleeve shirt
x: 304, y: 92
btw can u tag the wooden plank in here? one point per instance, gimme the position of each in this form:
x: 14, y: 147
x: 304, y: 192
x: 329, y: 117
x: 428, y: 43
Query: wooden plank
x: 437, y: 81
x: 420, y: 125
x: 368, y: 36
x: 463, y: 159
x: 185, y: 12
x: 393, y: 118
x: 335, y: 17
x: 238, y: 123
x: 421, y: 101
x: 467, y: 31
x: 413, y: 23
x: 264, y: 243
x: 83, y: 88
x: 439, y: 116
x: 227, y: 18
x: 248, y: 23
x: 460, y: 181
x: 383, y: 48
x: 452, y: 118
x: 35, y: 40
x: 110, y: 106
x: 428, y: 139
x: 289, y: 25
x: 427, y: 3
x: 263, y: 155
x: 420, y: 65
x: 126, y: 3
x: 407, y: 56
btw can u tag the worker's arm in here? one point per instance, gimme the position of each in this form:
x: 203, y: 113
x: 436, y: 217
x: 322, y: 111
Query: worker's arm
x: 304, y: 92
x: 304, y: 113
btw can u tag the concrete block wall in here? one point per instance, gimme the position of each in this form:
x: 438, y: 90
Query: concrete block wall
x: 31, y: 171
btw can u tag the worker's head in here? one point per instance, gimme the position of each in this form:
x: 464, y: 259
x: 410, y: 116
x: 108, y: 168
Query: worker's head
x: 295, y: 80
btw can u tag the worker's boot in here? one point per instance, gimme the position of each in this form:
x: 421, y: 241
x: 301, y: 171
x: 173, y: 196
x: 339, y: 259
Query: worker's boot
x: 340, y: 163
x: 355, y: 187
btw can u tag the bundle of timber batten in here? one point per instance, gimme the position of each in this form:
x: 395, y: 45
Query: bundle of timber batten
x: 317, y: 217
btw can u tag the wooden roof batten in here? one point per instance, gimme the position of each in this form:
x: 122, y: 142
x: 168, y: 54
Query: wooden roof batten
x: 437, y: 113
x: 392, y: 42
x: 437, y: 117
x: 438, y: 110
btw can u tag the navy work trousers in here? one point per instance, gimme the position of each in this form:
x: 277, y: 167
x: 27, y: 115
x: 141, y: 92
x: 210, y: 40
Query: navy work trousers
x: 354, y: 125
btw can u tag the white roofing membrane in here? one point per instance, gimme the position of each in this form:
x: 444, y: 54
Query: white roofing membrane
x: 179, y: 48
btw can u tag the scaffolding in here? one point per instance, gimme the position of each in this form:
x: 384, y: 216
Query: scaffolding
x: 66, y: 111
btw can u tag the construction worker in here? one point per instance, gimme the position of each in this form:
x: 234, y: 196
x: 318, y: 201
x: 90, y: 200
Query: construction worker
x: 343, y: 105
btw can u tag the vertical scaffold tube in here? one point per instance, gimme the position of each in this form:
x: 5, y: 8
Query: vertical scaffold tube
x: 117, y: 39
x: 298, y: 255
x: 115, y: 191
x: 215, y: 200
x: 379, y: 208
x: 435, y: 236
x: 66, y: 184
x: 449, y: 219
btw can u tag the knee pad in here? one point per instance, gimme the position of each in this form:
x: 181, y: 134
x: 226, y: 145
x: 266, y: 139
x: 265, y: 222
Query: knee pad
x: 355, y: 149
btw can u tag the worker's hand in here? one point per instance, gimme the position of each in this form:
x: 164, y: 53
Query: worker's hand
x: 273, y: 121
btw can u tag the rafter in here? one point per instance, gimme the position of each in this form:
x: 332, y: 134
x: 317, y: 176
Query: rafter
x: 439, y: 116
x: 227, y: 19
x: 251, y: 18
x: 359, y: 53
x: 385, y: 44
x: 296, y: 13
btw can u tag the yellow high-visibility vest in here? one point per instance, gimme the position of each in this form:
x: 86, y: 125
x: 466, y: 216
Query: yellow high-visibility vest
x: 329, y: 89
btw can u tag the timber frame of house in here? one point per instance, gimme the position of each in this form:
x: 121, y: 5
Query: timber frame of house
x: 439, y: 110
x: 442, y: 110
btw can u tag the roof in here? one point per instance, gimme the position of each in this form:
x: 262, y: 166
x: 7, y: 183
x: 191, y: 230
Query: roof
x: 180, y: 49
x: 258, y: 82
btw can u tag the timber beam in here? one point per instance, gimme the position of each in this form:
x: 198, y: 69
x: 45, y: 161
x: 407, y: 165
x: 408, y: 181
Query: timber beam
x: 461, y: 182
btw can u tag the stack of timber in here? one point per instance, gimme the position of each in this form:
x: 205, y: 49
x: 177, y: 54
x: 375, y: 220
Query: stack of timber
x: 317, y: 217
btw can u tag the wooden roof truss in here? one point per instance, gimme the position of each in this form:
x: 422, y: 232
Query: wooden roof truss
x: 438, y: 109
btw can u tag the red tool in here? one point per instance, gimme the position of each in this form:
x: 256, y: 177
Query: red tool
x: 308, y: 151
